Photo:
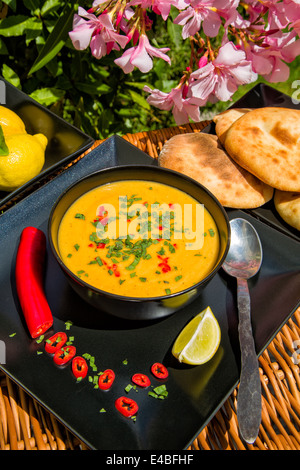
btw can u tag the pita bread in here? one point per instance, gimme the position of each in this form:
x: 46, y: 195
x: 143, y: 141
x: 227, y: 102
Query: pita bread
x: 202, y: 157
x: 224, y: 120
x: 287, y: 205
x: 266, y: 142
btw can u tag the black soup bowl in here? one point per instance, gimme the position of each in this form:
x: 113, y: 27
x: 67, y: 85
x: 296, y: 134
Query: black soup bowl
x: 138, y: 308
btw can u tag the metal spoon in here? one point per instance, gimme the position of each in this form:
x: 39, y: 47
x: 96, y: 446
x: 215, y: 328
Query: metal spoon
x: 243, y: 261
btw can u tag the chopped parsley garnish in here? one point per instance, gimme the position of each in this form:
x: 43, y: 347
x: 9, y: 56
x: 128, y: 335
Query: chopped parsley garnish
x: 159, y: 392
x: 68, y: 324
x: 99, y: 261
x: 80, y: 216
x: 171, y: 248
x: 39, y: 339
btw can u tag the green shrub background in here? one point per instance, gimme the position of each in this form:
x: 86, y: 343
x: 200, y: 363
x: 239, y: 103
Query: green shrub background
x: 38, y: 57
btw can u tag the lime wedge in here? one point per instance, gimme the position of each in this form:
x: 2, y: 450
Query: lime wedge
x: 199, y: 340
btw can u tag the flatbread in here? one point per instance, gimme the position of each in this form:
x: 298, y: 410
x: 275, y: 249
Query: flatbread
x: 224, y: 120
x: 266, y: 142
x: 287, y: 205
x: 202, y: 157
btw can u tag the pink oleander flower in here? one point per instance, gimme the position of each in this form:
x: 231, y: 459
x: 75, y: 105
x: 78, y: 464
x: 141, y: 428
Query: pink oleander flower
x: 207, y: 15
x: 96, y: 3
x: 181, y: 107
x: 279, y: 13
x: 222, y: 76
x: 296, y: 25
x: 204, y: 14
x: 96, y: 32
x: 160, y: 7
x: 293, y: 15
x: 140, y: 56
x: 228, y: 11
x: 269, y: 59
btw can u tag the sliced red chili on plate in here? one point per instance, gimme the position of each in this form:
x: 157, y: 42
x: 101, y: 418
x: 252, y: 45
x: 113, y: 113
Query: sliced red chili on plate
x: 142, y: 380
x: 126, y: 406
x: 55, y: 342
x: 64, y: 355
x: 79, y: 367
x: 106, y: 379
x: 159, y: 370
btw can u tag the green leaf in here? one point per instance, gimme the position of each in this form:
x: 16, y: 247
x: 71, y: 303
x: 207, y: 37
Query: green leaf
x: 33, y: 6
x: 11, y: 76
x: 56, y: 39
x: 49, y: 6
x: 14, y: 25
x: 93, y: 88
x: 140, y: 100
x: 174, y: 31
x: 12, y: 4
x: 3, y: 147
x: 47, y: 96
x: 139, y: 85
x: 34, y: 29
x: 3, y: 48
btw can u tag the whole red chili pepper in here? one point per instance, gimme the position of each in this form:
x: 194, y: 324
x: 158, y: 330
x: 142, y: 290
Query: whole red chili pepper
x: 64, y: 355
x: 79, y: 367
x: 55, y: 342
x: 159, y: 370
x: 29, y: 274
x: 141, y: 380
x: 126, y: 406
x: 106, y: 379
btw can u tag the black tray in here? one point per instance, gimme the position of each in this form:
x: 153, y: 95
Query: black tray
x: 195, y: 393
x: 265, y: 96
x: 65, y: 142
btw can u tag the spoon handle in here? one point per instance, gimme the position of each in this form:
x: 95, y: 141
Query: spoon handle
x: 249, y: 394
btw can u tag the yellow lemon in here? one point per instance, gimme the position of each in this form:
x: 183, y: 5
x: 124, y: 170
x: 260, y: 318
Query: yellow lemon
x: 11, y: 123
x: 25, y: 160
x: 199, y: 340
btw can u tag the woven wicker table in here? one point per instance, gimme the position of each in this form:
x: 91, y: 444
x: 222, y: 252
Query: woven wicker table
x: 25, y: 425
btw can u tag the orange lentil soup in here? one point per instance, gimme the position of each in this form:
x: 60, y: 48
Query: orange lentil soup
x: 138, y: 239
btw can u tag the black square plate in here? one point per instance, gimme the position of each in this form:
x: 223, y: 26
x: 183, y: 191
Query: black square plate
x: 65, y: 142
x: 194, y: 393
